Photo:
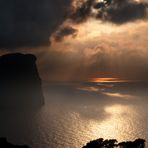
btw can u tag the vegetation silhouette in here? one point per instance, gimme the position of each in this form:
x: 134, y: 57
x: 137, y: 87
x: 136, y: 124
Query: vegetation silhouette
x: 113, y: 143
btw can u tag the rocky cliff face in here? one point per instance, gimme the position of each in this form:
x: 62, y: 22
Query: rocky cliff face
x: 20, y: 84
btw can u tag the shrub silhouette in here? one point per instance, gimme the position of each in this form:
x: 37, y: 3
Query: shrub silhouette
x: 113, y: 143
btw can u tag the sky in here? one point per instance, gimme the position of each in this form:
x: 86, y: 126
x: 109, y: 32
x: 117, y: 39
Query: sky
x: 79, y: 39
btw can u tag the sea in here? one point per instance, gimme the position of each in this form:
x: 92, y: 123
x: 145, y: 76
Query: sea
x: 75, y: 113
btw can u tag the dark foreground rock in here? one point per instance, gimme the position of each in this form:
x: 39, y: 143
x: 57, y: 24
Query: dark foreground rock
x: 20, y: 84
x: 5, y: 144
x: 113, y: 143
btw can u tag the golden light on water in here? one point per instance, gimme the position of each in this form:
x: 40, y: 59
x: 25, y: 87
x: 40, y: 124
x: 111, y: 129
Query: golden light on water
x: 91, y: 89
x: 117, y: 125
x: 119, y: 95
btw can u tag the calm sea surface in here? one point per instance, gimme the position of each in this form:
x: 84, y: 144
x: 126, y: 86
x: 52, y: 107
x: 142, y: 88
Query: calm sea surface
x: 75, y: 113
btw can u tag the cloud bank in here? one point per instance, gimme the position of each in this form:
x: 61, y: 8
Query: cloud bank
x: 120, y: 12
x: 114, y: 11
x: 113, y: 45
x: 30, y: 23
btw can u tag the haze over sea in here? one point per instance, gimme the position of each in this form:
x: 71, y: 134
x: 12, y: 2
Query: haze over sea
x: 75, y: 113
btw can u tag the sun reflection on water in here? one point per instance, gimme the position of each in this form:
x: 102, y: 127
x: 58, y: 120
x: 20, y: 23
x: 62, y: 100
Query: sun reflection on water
x: 118, y: 125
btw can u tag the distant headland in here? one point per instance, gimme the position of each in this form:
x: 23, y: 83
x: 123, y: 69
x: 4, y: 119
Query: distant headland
x: 20, y: 84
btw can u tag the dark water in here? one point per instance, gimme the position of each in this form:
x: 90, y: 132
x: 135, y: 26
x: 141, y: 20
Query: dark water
x: 75, y: 113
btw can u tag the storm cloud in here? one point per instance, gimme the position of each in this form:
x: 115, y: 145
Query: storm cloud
x: 63, y: 32
x: 82, y: 12
x: 120, y: 12
x: 99, y: 49
x: 29, y: 23
x: 114, y: 11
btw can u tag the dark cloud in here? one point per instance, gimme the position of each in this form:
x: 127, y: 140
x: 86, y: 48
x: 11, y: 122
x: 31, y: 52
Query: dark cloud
x: 102, y: 4
x: 30, y: 23
x: 83, y: 12
x: 124, y: 11
x: 115, y: 11
x: 64, y: 31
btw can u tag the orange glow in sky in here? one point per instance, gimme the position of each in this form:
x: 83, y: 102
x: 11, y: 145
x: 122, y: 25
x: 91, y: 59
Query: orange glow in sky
x: 106, y: 80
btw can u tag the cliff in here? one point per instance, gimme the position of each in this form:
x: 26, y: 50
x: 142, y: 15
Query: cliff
x: 20, y: 84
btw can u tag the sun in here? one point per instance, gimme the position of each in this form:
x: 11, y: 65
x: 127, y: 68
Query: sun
x: 137, y: 1
x: 105, y: 80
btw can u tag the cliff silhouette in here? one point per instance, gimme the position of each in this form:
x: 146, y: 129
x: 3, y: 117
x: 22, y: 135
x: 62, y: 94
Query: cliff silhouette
x: 20, y: 84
